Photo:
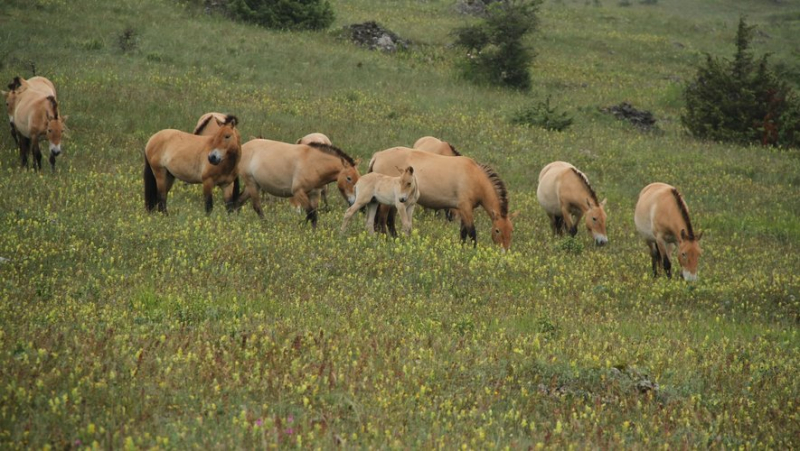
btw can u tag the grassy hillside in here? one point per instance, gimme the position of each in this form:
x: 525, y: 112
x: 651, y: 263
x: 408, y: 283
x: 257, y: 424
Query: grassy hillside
x: 123, y: 329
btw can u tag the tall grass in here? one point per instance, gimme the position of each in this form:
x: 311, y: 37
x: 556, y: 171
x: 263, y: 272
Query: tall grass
x: 122, y: 329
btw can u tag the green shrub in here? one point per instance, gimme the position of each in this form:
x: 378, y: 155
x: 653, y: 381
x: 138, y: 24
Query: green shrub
x: 742, y: 100
x: 284, y: 14
x: 543, y: 115
x: 496, y: 53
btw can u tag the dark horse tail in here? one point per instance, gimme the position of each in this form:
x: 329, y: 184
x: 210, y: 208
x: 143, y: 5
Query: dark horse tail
x: 150, y: 187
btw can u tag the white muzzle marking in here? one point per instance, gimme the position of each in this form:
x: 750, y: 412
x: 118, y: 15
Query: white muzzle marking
x: 689, y: 277
x: 55, y: 149
x: 600, y: 240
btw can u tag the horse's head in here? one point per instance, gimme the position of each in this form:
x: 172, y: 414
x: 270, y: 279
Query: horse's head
x: 346, y: 181
x: 55, y: 127
x: 689, y: 254
x: 226, y: 143
x: 596, y: 222
x: 502, y: 229
x: 408, y: 184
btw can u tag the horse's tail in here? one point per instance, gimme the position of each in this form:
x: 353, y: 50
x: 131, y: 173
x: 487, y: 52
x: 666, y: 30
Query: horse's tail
x: 371, y: 164
x: 150, y: 187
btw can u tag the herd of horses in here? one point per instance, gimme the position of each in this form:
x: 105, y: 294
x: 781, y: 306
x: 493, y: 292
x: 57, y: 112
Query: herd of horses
x: 431, y: 173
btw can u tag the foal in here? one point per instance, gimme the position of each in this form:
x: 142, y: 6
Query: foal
x: 373, y: 188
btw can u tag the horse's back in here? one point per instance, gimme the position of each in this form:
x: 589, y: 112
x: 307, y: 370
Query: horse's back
x: 655, y: 206
x: 434, y: 145
x: 272, y: 164
x: 42, y: 85
x: 318, y: 138
x: 547, y: 192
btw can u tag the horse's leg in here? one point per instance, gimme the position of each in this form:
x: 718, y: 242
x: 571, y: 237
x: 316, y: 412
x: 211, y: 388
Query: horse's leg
x: 52, y: 160
x: 569, y: 226
x: 655, y: 257
x: 311, y: 211
x: 381, y: 218
x: 553, y: 223
x: 14, y: 133
x: 663, y: 249
x: 37, y: 153
x: 468, y: 225
x: 410, y: 215
x: 390, y: 221
x: 231, y: 194
x: 349, y: 214
x: 208, y: 194
x: 401, y: 209
x: 164, y: 182
x: 372, y: 211
x: 24, y: 147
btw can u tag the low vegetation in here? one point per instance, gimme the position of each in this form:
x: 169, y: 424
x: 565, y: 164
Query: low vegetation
x: 122, y: 329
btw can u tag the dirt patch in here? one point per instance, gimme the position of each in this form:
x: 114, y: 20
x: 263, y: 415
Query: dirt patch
x: 642, y: 119
x: 375, y: 37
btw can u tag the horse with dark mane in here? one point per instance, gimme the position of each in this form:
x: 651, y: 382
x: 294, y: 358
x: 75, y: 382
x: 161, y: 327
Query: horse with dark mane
x: 295, y: 170
x: 662, y: 218
x: 210, y: 160
x: 452, y: 182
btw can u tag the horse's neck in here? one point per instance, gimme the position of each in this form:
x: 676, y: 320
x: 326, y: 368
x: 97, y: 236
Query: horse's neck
x: 490, y: 201
x: 330, y: 169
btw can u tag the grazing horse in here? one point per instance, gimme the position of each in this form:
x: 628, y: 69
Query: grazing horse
x: 437, y: 146
x: 209, y: 124
x: 210, y: 160
x: 36, y: 114
x: 295, y: 170
x: 402, y: 192
x: 452, y: 182
x: 662, y: 218
x: 564, y: 192
x: 17, y: 87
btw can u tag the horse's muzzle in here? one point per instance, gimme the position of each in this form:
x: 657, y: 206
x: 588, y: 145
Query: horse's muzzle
x: 214, y: 157
x: 55, y: 150
x: 403, y: 199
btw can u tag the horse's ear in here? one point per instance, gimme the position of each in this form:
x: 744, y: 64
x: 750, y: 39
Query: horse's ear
x: 683, y: 234
x: 357, y: 162
x: 514, y: 215
x: 699, y: 235
x: 588, y: 202
x: 410, y: 170
x: 299, y: 140
x: 4, y: 93
x: 64, y: 119
x: 603, y: 203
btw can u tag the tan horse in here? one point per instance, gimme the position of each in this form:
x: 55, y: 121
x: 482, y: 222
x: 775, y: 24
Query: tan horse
x: 295, y: 170
x: 453, y: 182
x: 17, y: 87
x: 209, y: 124
x: 210, y: 160
x: 402, y: 192
x: 35, y: 115
x: 662, y: 218
x: 437, y: 146
x: 564, y: 192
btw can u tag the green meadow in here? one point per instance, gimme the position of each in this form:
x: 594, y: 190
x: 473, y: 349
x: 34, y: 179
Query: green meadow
x: 122, y: 329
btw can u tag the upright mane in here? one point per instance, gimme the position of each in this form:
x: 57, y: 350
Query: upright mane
x: 333, y: 150
x: 499, y: 188
x: 54, y: 105
x: 585, y: 181
x: 453, y: 149
x: 16, y: 83
x: 684, y: 213
x: 199, y: 129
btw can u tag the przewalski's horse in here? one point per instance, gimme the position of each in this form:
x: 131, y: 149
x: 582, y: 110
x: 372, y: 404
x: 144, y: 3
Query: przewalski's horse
x: 209, y: 124
x: 564, y: 192
x: 401, y: 192
x: 17, y: 87
x: 662, y: 218
x: 295, y: 170
x: 210, y: 160
x: 35, y: 115
x: 437, y: 146
x: 452, y: 182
